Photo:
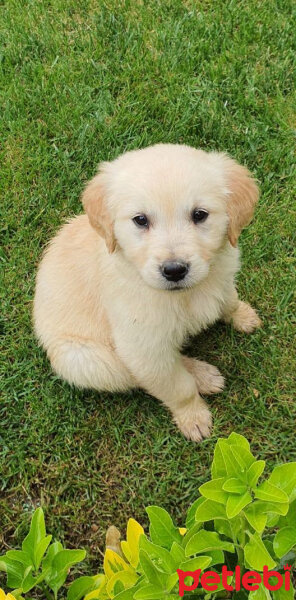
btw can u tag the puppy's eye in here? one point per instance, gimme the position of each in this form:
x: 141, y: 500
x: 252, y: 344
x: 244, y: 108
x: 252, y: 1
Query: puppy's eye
x: 199, y: 215
x: 141, y: 221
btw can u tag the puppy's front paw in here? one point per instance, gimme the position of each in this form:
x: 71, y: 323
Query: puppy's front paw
x: 245, y: 318
x: 194, y: 420
x: 208, y: 378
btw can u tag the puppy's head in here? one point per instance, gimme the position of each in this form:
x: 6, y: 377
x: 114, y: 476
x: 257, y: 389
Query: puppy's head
x: 170, y: 209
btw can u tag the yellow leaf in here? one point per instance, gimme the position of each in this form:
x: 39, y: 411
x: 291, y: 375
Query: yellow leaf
x: 130, y: 548
x: 126, y: 578
x: 4, y: 596
x: 98, y: 593
x: 113, y: 563
x: 94, y: 595
x: 182, y: 530
x: 126, y: 551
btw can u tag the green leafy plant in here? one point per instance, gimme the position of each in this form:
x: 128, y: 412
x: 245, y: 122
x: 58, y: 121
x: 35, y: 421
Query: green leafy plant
x: 239, y: 519
x: 40, y: 563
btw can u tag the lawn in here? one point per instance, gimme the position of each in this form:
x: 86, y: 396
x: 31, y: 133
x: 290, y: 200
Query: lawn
x: 83, y: 81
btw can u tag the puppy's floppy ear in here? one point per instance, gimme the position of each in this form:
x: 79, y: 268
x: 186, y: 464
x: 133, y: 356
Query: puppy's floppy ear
x: 243, y: 195
x: 93, y: 200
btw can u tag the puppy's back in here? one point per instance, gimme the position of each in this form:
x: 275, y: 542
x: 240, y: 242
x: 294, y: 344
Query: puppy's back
x: 67, y: 297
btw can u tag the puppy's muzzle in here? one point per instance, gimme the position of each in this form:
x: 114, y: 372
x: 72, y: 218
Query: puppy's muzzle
x: 174, y: 270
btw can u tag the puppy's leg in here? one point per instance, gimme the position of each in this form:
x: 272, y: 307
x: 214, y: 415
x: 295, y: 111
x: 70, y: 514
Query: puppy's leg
x: 177, y: 389
x: 240, y: 314
x: 207, y: 377
x: 165, y: 377
x: 88, y: 364
x: 194, y: 419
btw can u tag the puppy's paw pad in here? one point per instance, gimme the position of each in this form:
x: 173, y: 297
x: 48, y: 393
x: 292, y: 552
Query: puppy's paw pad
x: 195, y: 424
x: 208, y: 378
x: 245, y: 318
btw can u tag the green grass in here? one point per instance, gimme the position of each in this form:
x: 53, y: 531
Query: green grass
x: 83, y: 81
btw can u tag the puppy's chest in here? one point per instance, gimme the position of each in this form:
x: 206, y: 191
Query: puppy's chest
x: 204, y: 309
x: 172, y: 321
x: 162, y: 319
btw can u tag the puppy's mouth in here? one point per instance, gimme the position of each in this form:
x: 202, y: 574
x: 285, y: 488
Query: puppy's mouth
x: 178, y: 287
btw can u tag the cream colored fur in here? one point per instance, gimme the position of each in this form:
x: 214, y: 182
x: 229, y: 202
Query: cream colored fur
x: 107, y: 317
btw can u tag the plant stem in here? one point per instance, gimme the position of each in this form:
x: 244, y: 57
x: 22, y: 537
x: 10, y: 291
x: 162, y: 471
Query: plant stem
x: 48, y: 595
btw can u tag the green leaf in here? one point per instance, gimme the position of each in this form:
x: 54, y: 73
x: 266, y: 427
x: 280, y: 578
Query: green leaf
x: 224, y: 527
x: 217, y: 557
x: 284, y: 540
x: 209, y: 510
x: 82, y: 586
x: 204, y: 541
x: 234, y: 486
x: 41, y: 549
x: 256, y: 517
x: 254, y: 472
x: 67, y: 558
x: 256, y: 554
x: 283, y: 594
x: 272, y: 507
x: 55, y: 580
x: 284, y: 477
x: 60, y: 564
x: 171, y: 582
x: 151, y: 572
x: 237, y: 459
x: 213, y: 490
x: 261, y: 594
x: 162, y: 555
x: 149, y: 592
x: 190, y: 519
x: 268, y: 543
x: 235, y: 504
x: 14, y: 570
x: 162, y: 529
x: 198, y: 562
x: 268, y: 492
x: 177, y: 553
x: 191, y: 532
x: 53, y: 549
x: 29, y: 581
x: 20, y: 556
x: 218, y: 468
x: 244, y: 457
x: 127, y: 594
x: 272, y: 519
x: 284, y: 521
x: 238, y: 440
x: 36, y: 534
x: 233, y: 462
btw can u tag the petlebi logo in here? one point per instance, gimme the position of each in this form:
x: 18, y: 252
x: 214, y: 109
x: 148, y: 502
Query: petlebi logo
x: 231, y: 581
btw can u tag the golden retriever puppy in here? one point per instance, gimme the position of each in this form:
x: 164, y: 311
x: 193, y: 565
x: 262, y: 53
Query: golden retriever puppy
x: 154, y: 259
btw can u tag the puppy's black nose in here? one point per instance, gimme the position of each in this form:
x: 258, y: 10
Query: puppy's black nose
x: 174, y: 270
